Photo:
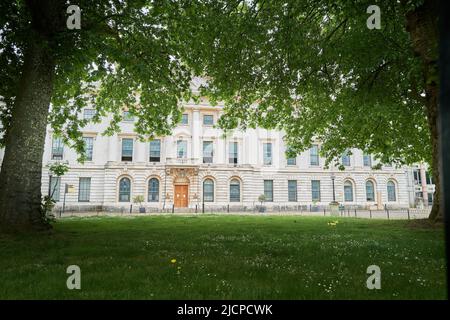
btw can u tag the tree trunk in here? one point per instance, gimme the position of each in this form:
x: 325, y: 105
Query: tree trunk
x: 422, y: 25
x: 20, y: 175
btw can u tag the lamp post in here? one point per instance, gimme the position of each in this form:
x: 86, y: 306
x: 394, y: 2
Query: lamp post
x: 334, y: 206
x: 334, y: 192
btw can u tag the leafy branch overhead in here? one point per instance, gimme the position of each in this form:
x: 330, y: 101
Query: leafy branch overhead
x: 124, y: 57
x: 314, y: 70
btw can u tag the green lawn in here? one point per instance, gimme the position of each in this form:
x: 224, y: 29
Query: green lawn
x: 225, y: 257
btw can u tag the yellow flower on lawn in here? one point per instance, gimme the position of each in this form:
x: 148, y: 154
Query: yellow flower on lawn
x: 173, y: 260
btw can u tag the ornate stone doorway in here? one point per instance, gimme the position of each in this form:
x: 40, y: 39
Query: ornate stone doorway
x: 183, y: 179
x: 181, y: 196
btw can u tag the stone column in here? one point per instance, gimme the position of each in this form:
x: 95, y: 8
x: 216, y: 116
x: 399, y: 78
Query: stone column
x: 113, y: 150
x: 196, y: 126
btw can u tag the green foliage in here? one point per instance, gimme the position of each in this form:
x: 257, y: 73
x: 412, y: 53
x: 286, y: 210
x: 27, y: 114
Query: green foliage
x: 125, y: 56
x: 262, y: 198
x: 47, y: 206
x: 317, y: 72
x: 58, y: 168
x: 313, y: 67
x: 138, y: 199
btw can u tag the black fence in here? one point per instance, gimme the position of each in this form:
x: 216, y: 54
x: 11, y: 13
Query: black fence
x: 311, y: 210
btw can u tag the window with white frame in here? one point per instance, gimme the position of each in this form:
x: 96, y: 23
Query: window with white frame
x: 315, y: 190
x: 184, y: 119
x: 88, y: 147
x: 370, y: 191
x: 84, y: 190
x: 57, y: 148
x: 348, y: 191
x: 208, y: 120
x: 233, y: 153
x: 208, y: 190
x: 153, y: 190
x: 314, y: 155
x: 88, y: 114
x: 367, y: 160
x: 127, y: 149
x: 268, y: 190
x: 292, y: 190
x: 124, y: 190
x: 155, y: 150
x: 207, y: 151
x: 181, y: 149
x: 235, y: 190
x: 346, y: 158
x: 267, y: 153
x: 392, y: 196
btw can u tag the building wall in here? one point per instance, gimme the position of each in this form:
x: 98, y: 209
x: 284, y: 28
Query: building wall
x: 106, y: 168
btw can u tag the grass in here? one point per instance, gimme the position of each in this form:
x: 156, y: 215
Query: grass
x: 225, y: 257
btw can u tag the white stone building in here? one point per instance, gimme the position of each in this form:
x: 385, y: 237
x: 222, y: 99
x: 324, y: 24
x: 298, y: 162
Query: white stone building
x: 196, y: 165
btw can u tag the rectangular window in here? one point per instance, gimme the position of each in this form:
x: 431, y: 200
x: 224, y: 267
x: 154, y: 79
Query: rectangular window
x: 417, y: 177
x: 54, y: 188
x: 233, y: 153
x: 314, y: 155
x: 207, y: 151
x: 184, y: 119
x: 84, y: 190
x: 57, y: 148
x: 367, y: 159
x: 181, y: 149
x: 127, y: 116
x: 88, y: 147
x: 315, y: 190
x: 348, y: 192
x: 292, y: 190
x: 127, y: 149
x: 208, y: 120
x: 155, y: 151
x: 268, y: 190
x: 346, y: 159
x: 267, y: 153
x: 428, y: 178
x: 88, y: 114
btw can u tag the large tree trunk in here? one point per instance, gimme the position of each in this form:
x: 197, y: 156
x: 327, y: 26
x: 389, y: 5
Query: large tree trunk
x: 20, y: 175
x: 422, y: 25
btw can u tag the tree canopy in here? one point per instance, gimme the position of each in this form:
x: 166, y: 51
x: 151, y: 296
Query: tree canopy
x: 316, y: 71
x: 124, y: 57
x: 310, y: 68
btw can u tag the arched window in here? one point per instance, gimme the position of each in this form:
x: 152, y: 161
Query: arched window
x: 208, y: 190
x: 153, y: 190
x: 235, y: 190
x: 124, y: 190
x: 370, y: 191
x: 348, y: 191
x: 391, y: 191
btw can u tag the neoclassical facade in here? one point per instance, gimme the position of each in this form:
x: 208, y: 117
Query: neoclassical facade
x: 198, y: 166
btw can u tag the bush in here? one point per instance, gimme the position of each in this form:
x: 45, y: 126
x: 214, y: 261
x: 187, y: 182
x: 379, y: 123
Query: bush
x: 47, y: 206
